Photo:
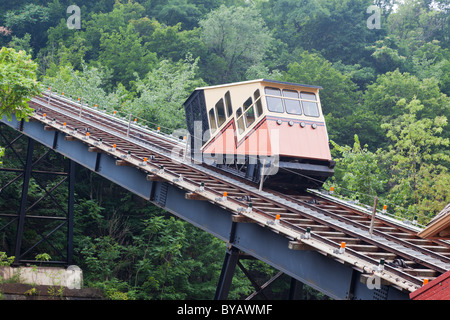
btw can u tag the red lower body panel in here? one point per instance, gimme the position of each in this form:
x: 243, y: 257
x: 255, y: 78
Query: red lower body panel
x: 269, y: 138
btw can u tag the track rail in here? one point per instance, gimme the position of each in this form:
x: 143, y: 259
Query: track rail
x: 388, y: 237
x: 409, y: 259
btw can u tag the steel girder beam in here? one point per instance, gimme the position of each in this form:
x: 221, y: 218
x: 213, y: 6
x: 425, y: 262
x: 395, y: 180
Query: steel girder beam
x: 335, y: 279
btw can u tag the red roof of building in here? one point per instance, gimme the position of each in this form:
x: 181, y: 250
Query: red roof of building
x: 438, y: 289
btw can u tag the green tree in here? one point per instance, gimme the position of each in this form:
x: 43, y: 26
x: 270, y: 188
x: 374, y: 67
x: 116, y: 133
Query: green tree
x: 89, y: 85
x: 29, y: 17
x: 417, y: 154
x: 386, y: 56
x: 380, y: 101
x: 434, y: 193
x: 5, y: 261
x: 361, y: 76
x: 71, y: 53
x: 163, y: 91
x: 337, y: 29
x: 170, y: 42
x: 86, y: 43
x: 18, y: 83
x: 135, y: 251
x: 237, y: 38
x: 22, y: 44
x: 26, y: 17
x: 432, y: 61
x: 125, y: 54
x: 416, y: 22
x: 358, y: 172
x: 173, y: 12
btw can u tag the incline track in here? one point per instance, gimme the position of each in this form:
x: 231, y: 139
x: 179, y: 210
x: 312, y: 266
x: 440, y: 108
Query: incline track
x: 408, y: 258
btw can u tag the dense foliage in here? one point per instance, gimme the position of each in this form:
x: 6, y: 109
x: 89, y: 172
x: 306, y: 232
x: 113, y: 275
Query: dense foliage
x: 385, y: 97
x: 17, y: 83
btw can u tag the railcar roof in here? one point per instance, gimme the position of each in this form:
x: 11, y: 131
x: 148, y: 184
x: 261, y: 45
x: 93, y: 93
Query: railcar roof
x: 254, y: 81
x: 260, y: 80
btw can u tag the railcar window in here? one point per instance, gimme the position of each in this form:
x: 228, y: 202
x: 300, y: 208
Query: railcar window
x: 272, y: 91
x: 310, y: 108
x: 248, y: 103
x: 212, y: 121
x: 250, y: 116
x: 220, y: 111
x: 290, y: 94
x: 228, y: 103
x: 240, y: 120
x: 308, y: 96
x: 249, y: 112
x: 292, y: 106
x: 258, y: 103
x: 274, y: 104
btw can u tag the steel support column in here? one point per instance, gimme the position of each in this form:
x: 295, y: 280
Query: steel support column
x: 229, y: 265
x: 294, y: 287
x: 70, y: 207
x: 23, y: 202
x: 227, y: 273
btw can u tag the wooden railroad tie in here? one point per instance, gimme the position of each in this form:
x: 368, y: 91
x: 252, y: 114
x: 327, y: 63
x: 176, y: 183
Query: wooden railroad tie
x: 124, y: 163
x: 194, y: 196
x: 299, y: 245
x: 153, y: 177
x: 241, y: 219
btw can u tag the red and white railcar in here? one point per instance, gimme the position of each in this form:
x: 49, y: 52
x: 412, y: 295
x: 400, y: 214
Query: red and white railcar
x: 251, y: 125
